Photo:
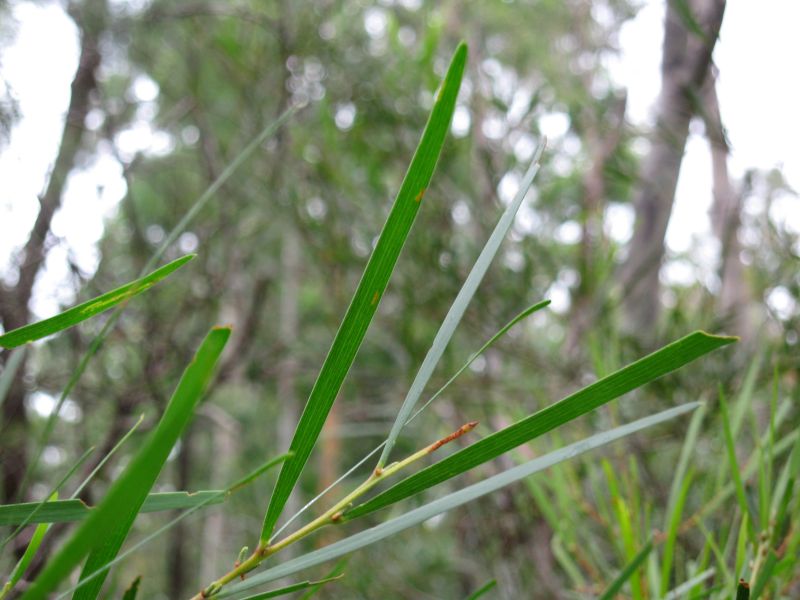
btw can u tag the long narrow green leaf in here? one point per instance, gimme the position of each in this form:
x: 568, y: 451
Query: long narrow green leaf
x: 211, y: 498
x: 459, y: 306
x: 613, y: 589
x: 116, y: 512
x: 68, y: 511
x: 519, y: 317
x: 87, y: 310
x: 454, y: 500
x: 733, y: 464
x: 661, y: 362
x: 295, y: 587
x: 686, y: 586
x: 373, y: 283
x: 486, y: 587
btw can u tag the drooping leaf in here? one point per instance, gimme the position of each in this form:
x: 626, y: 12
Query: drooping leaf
x: 459, y: 306
x: 453, y: 500
x: 87, y: 310
x: 105, y: 528
x: 66, y: 511
x: 653, y: 366
x: 370, y: 289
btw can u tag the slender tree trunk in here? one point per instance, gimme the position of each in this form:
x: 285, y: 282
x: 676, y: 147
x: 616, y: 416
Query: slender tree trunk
x: 685, y: 63
x: 14, y: 302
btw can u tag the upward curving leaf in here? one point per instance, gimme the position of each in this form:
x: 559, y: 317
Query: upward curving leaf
x: 105, y: 528
x: 459, y: 306
x: 644, y: 370
x: 373, y: 283
x: 87, y: 310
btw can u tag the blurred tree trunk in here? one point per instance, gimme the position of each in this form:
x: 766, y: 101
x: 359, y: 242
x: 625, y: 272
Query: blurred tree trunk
x: 90, y: 19
x: 690, y: 32
x: 602, y: 137
x: 734, y: 297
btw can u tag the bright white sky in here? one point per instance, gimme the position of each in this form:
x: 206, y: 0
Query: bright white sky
x: 758, y: 98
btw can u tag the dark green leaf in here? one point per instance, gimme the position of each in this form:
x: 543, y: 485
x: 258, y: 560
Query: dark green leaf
x: 87, y: 310
x: 661, y: 362
x: 626, y: 573
x: 105, y: 528
x: 130, y: 593
x: 488, y: 586
x: 295, y: 587
x: 370, y: 289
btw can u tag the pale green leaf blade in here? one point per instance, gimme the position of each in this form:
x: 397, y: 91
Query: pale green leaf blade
x: 653, y: 366
x: 481, y: 591
x: 67, y: 511
x: 459, y: 306
x: 127, y: 494
x: 454, y: 500
x: 367, y: 296
x: 87, y: 310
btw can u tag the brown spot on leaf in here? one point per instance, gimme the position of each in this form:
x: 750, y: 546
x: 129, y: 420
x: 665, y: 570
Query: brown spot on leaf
x: 420, y: 195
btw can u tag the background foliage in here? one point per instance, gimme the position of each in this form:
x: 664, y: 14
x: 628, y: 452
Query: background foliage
x: 281, y: 246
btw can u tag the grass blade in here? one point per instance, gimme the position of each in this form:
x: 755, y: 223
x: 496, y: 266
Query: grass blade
x: 69, y: 511
x: 626, y: 573
x: 454, y: 500
x: 488, y: 586
x: 295, y: 587
x: 373, y: 283
x: 25, y: 561
x: 456, y: 312
x: 661, y: 362
x: 101, y: 531
x: 210, y: 498
x: 681, y: 590
x: 89, y: 309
